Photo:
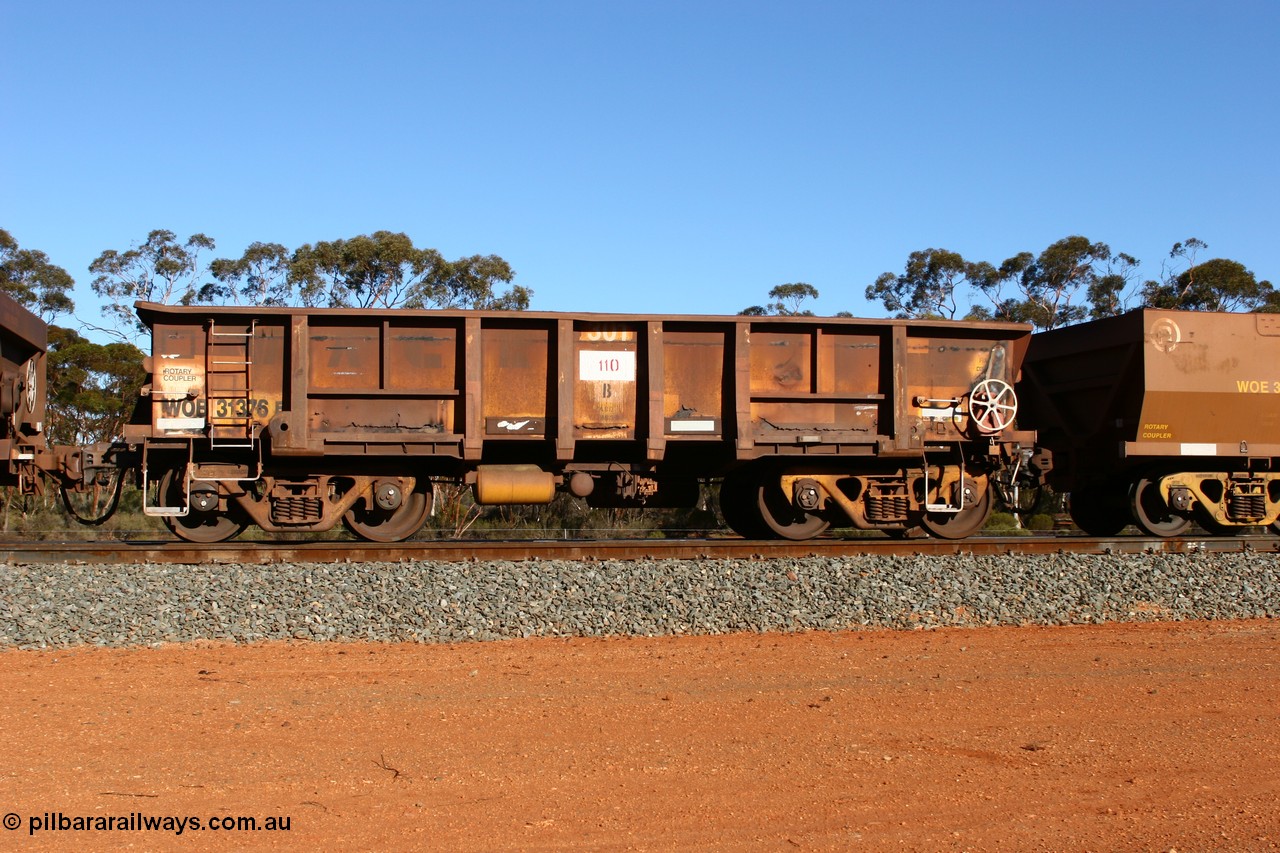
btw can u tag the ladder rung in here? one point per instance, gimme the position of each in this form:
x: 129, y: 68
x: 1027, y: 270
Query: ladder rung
x: 230, y: 354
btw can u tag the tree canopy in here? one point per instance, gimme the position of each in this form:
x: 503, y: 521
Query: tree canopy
x: 787, y: 299
x: 1215, y: 285
x: 92, y: 388
x: 159, y: 270
x: 926, y: 288
x: 1071, y: 280
x: 258, y: 277
x: 386, y: 270
x: 29, y: 277
x: 383, y: 269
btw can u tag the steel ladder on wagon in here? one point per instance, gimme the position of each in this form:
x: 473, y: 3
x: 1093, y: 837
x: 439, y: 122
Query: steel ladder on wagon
x: 229, y: 387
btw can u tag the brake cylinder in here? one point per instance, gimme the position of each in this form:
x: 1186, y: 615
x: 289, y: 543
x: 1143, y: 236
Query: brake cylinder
x: 513, y: 484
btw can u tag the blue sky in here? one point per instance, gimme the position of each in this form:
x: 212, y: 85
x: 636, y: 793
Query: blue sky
x: 647, y: 156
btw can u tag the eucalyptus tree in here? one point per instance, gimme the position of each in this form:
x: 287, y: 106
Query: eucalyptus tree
x: 787, y: 301
x: 92, y: 388
x: 386, y: 270
x: 160, y: 269
x: 1069, y: 281
x: 927, y: 287
x: 471, y: 282
x: 33, y: 280
x: 258, y: 277
x: 1219, y: 284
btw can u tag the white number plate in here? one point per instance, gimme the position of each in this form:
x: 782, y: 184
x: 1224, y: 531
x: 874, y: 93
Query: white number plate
x: 606, y: 366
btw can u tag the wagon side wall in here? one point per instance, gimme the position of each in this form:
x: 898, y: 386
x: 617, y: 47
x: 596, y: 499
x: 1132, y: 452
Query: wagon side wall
x: 455, y: 389
x: 1156, y: 384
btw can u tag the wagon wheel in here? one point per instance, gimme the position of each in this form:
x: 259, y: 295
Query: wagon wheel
x: 781, y: 518
x: 1275, y: 527
x: 1152, y: 513
x: 738, y: 510
x: 368, y: 521
x: 1098, y: 511
x: 992, y: 405
x: 968, y: 521
x: 93, y: 503
x: 203, y: 523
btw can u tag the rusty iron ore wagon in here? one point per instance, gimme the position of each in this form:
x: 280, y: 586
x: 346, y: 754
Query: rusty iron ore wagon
x: 1161, y: 417
x: 299, y: 419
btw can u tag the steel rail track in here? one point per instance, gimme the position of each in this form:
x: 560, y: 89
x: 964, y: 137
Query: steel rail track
x: 266, y: 552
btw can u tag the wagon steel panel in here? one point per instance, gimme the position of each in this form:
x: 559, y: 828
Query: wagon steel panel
x: 693, y: 386
x: 464, y: 385
x: 607, y: 372
x: 1157, y: 383
x: 516, y: 382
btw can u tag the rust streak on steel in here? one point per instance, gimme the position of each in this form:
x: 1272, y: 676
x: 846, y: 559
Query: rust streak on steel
x: 614, y: 549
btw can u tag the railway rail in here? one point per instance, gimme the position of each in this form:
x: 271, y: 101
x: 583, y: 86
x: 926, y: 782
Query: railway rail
x: 458, y: 550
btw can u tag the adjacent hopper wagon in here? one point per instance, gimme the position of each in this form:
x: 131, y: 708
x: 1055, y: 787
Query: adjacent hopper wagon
x: 1161, y: 418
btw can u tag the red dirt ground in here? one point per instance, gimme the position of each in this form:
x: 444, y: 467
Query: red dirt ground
x: 1120, y: 737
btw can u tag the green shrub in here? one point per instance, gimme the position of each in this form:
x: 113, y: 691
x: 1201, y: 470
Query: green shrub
x: 1001, y: 521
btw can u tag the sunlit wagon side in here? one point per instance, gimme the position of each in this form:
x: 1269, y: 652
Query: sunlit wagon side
x: 1160, y: 418
x: 297, y: 419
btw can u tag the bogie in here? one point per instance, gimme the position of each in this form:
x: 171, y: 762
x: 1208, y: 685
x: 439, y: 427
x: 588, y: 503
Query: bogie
x: 198, y: 513
x: 772, y: 502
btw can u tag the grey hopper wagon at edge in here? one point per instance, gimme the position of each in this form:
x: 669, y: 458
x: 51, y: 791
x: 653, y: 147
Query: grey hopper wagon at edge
x: 27, y: 461
x: 23, y: 345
